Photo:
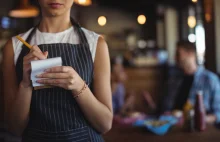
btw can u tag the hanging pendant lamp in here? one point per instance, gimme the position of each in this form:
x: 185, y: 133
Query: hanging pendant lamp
x: 83, y: 2
x: 24, y: 10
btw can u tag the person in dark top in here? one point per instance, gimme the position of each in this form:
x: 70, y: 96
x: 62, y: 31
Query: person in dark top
x: 190, y: 79
x: 183, y: 92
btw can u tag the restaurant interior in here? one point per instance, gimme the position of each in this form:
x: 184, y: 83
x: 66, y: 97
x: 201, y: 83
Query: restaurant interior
x: 142, y: 37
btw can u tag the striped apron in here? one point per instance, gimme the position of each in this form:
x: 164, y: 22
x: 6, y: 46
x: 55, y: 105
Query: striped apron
x: 54, y: 114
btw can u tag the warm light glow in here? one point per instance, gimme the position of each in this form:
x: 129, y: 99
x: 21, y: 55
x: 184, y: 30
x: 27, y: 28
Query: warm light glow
x: 191, y: 21
x: 24, y: 13
x: 195, y: 1
x: 102, y: 20
x: 25, y: 10
x: 141, y: 19
x: 83, y: 2
x: 208, y: 9
x: 208, y: 17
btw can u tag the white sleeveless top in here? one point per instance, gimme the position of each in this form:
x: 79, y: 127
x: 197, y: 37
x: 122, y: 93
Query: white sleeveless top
x: 68, y: 36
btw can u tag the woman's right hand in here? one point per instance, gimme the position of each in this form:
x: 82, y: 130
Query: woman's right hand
x: 34, y: 54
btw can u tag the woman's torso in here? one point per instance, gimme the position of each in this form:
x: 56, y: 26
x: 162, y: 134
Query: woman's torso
x: 54, y: 114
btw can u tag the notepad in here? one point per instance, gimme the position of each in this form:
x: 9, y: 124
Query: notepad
x: 38, y: 67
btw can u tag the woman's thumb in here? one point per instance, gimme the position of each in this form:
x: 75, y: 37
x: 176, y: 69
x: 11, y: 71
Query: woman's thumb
x: 46, y: 53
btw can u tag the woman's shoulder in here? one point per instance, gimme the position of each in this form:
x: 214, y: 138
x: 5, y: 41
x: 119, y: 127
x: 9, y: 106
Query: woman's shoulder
x: 92, y: 38
x: 16, y: 44
x: 22, y: 35
x: 90, y: 34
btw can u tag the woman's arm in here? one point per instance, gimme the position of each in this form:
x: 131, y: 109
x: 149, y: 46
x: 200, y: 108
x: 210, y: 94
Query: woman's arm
x: 96, y: 107
x: 17, y: 97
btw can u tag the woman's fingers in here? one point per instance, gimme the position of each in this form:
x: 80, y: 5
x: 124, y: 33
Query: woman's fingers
x: 45, y: 53
x: 31, y: 59
x: 36, y: 52
x: 63, y: 83
x: 28, y: 56
x: 56, y: 81
x: 39, y: 55
x: 60, y: 69
x: 54, y: 75
x: 35, y: 48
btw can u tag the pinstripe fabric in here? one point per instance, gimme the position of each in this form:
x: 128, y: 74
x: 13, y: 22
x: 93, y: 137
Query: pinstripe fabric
x: 54, y: 114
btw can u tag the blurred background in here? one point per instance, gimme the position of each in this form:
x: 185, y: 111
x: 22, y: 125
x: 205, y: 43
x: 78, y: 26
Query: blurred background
x: 141, y: 34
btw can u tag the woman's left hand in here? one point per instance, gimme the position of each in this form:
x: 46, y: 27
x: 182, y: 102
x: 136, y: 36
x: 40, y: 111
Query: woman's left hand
x: 63, y: 76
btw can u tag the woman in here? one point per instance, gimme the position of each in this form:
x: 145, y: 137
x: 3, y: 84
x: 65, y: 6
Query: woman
x: 70, y: 111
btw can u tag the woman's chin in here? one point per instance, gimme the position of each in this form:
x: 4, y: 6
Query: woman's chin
x: 55, y: 13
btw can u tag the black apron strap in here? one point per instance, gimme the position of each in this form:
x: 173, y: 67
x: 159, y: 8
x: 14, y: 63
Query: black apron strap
x: 83, y: 39
x: 82, y: 36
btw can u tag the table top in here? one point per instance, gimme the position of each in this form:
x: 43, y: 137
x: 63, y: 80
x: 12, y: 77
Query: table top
x: 176, y: 134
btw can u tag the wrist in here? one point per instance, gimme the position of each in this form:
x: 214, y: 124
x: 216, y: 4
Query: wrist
x: 80, y: 90
x: 78, y: 87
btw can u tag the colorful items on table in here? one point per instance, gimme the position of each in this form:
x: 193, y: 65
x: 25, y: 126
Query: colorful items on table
x: 158, y: 126
x: 129, y: 120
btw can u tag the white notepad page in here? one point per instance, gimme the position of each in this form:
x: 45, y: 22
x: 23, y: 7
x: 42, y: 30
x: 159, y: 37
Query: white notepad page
x: 38, y: 67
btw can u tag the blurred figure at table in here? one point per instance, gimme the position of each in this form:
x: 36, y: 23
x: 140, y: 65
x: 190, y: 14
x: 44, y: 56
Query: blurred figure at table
x: 124, y: 101
x: 118, y: 77
x: 194, y: 78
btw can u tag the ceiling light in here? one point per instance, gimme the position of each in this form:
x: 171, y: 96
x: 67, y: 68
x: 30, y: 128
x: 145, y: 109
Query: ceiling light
x: 24, y: 10
x: 141, y: 19
x: 102, y: 20
x: 191, y: 21
x: 83, y: 2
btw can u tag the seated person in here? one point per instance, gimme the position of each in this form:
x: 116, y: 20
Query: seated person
x: 195, y: 78
x: 125, y: 104
x: 118, y: 76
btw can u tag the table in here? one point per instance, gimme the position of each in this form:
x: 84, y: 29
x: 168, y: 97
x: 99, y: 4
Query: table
x: 176, y: 134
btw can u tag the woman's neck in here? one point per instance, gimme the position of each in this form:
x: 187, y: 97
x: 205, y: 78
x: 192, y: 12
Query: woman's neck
x: 54, y: 24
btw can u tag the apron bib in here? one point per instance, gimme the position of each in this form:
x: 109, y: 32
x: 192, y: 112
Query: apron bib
x: 54, y: 114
